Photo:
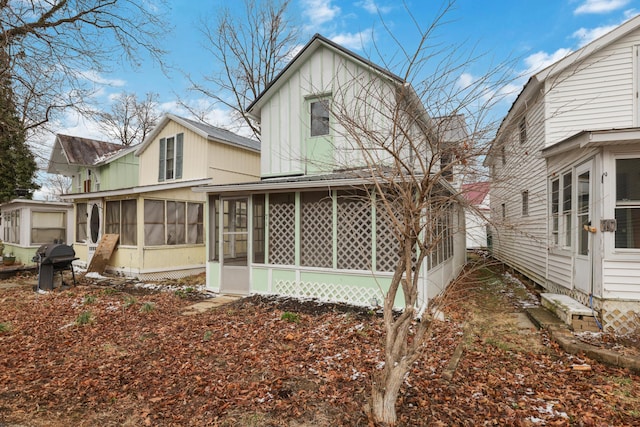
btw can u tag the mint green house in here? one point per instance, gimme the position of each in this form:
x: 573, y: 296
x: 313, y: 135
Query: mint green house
x: 311, y: 227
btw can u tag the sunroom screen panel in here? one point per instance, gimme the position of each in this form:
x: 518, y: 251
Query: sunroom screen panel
x: 354, y: 231
x: 316, y: 230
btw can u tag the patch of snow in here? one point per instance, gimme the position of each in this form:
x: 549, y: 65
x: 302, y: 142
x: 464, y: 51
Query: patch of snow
x: 94, y: 275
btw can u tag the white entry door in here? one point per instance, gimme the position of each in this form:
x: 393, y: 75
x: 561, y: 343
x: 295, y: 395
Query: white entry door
x: 583, y: 248
x: 234, y: 258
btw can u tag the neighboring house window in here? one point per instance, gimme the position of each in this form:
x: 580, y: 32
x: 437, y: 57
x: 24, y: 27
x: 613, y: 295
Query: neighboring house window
x: 525, y: 203
x: 446, y: 167
x: 504, y: 210
x: 47, y: 227
x: 121, y: 218
x: 81, y: 222
x: 11, y: 221
x: 320, y: 117
x: 567, y: 207
x: 627, y: 212
x: 555, y: 209
x: 171, y: 152
x: 172, y: 223
x: 503, y: 154
x: 561, y: 210
x: 522, y: 127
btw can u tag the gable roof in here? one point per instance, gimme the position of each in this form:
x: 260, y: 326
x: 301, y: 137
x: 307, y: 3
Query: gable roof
x: 208, y: 132
x: 535, y: 81
x: 316, y: 42
x: 71, y: 152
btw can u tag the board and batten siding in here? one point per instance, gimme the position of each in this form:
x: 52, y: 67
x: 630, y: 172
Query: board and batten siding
x: 597, y: 93
x: 195, y: 155
x: 285, y: 115
x: 229, y: 164
x: 520, y: 241
x: 120, y: 173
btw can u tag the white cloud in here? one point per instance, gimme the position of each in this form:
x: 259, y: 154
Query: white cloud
x: 353, y: 40
x: 372, y: 7
x: 320, y: 11
x: 600, y: 6
x: 585, y: 36
x: 540, y: 60
x: 95, y: 77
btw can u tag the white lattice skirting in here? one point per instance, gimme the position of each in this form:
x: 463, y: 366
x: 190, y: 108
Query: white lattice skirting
x: 329, y: 292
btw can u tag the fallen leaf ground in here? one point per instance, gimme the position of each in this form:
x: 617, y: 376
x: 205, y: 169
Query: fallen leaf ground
x: 112, y: 356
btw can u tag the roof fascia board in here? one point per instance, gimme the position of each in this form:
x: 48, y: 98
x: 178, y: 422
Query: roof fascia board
x: 137, y: 190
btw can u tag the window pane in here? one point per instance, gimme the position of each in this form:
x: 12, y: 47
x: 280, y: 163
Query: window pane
x: 195, y: 227
x: 48, y: 227
x: 628, y: 228
x: 81, y: 222
x: 175, y: 223
x: 319, y: 118
x: 628, y: 180
x: 129, y: 223
x: 567, y: 205
x: 154, y: 222
x: 555, y: 205
x: 258, y: 228
x: 583, y: 213
x: 112, y: 224
x: 214, y: 239
x: 170, y: 158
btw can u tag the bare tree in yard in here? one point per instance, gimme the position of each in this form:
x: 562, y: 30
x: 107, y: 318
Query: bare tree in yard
x: 130, y: 119
x: 404, y: 133
x: 251, y: 51
x: 55, y: 51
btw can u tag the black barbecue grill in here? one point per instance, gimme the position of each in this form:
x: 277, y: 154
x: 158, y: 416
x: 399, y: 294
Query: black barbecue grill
x: 52, y: 258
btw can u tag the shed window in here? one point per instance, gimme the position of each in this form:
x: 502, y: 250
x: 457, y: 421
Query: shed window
x: 627, y: 211
x: 47, y: 227
x: 11, y: 220
x: 525, y: 203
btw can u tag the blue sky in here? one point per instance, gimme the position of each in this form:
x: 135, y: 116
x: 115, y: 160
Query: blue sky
x: 535, y: 33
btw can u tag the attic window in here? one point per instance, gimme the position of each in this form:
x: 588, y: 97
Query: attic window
x: 319, y: 118
x: 170, y: 164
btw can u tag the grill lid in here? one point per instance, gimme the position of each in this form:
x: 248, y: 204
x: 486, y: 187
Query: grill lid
x: 55, y: 252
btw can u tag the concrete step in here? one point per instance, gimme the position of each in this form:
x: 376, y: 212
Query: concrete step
x: 578, y: 316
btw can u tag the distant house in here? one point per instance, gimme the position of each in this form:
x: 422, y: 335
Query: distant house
x: 143, y: 193
x: 476, y: 217
x: 25, y: 225
x: 565, y: 193
x: 311, y: 226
